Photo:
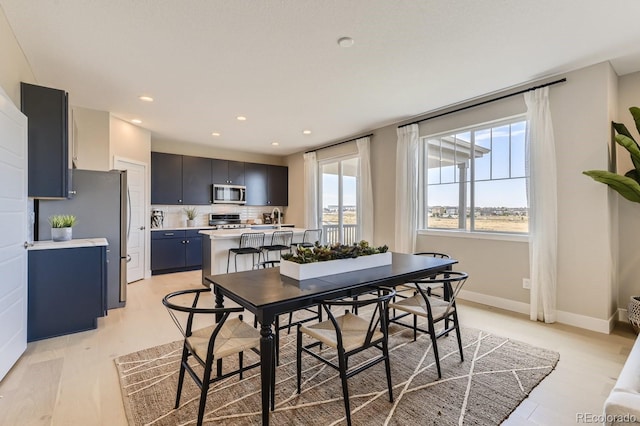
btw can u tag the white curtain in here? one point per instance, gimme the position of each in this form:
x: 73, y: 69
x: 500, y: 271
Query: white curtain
x: 406, y: 212
x: 365, y: 195
x: 310, y: 191
x: 543, y: 209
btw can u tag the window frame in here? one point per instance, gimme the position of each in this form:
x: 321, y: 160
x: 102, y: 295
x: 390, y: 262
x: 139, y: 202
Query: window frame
x: 470, y: 232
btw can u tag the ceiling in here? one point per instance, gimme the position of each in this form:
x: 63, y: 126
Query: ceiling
x: 278, y: 63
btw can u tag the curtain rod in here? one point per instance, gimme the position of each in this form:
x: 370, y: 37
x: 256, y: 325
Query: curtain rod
x: 339, y: 143
x: 485, y: 102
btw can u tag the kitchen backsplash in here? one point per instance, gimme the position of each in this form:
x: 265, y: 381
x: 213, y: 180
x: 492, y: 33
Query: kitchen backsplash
x: 175, y: 217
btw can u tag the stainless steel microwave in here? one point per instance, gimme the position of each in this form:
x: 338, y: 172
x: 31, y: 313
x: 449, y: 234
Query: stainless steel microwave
x: 229, y: 194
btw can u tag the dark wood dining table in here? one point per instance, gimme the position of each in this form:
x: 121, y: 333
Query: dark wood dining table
x: 266, y: 294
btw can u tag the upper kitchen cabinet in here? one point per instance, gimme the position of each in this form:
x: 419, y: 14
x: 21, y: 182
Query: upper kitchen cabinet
x: 277, y: 186
x: 196, y: 180
x: 255, y: 179
x: 47, y: 111
x: 166, y: 178
x: 228, y: 172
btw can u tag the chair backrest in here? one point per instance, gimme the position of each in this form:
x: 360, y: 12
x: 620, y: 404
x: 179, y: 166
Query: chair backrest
x: 378, y: 318
x: 312, y: 235
x: 172, y: 302
x: 252, y: 239
x: 451, y: 282
x: 282, y: 238
x: 433, y: 254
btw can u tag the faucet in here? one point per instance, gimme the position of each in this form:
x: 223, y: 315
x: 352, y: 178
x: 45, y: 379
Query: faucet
x: 279, y: 217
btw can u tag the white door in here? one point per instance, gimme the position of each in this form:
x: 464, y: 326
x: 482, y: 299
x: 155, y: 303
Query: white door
x: 14, y: 231
x: 136, y: 241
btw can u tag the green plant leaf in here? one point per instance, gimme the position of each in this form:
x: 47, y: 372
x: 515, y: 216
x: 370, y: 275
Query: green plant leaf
x: 635, y: 112
x: 633, y: 174
x: 621, y: 129
x: 625, y: 186
x: 631, y: 146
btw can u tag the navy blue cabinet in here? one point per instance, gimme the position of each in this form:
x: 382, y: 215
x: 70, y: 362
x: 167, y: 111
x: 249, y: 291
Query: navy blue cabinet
x: 277, y: 186
x: 175, y: 251
x: 196, y: 180
x: 48, y: 141
x: 227, y: 172
x: 67, y: 290
x: 166, y: 178
x: 255, y: 176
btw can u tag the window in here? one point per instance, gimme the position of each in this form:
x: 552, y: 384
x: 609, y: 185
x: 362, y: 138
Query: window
x: 339, y: 200
x: 475, y: 179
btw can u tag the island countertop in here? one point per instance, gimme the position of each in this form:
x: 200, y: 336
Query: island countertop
x: 227, y: 234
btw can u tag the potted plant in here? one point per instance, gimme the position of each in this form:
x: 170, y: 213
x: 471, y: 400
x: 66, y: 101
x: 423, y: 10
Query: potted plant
x: 191, y: 215
x: 61, y: 226
x: 627, y: 185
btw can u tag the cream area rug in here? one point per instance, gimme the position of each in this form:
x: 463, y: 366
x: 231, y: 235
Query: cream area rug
x: 496, y: 375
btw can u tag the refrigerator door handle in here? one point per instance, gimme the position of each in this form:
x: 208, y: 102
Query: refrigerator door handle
x: 128, y: 258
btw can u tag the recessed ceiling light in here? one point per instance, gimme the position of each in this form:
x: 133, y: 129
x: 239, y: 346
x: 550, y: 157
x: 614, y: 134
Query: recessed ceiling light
x: 136, y: 121
x: 275, y: 143
x: 306, y: 132
x: 215, y: 134
x: 241, y: 118
x: 345, y: 42
x: 146, y: 98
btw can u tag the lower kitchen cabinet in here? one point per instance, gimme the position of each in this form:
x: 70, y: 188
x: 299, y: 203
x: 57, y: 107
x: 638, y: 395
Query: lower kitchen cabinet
x: 175, y: 251
x: 67, y: 290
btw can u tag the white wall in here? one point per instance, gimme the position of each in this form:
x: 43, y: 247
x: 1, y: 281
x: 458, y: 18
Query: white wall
x: 14, y: 66
x: 90, y: 139
x: 629, y: 213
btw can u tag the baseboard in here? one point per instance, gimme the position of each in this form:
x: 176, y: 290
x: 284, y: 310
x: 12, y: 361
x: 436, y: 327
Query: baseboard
x: 569, y: 318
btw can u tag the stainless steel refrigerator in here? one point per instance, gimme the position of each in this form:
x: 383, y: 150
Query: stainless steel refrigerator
x: 100, y: 205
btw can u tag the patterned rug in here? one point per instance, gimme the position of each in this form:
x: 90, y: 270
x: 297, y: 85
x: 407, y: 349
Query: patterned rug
x: 496, y: 375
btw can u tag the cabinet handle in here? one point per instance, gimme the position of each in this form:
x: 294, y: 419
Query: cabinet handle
x: 184, y: 242
x: 179, y: 201
x: 168, y: 234
x: 188, y: 241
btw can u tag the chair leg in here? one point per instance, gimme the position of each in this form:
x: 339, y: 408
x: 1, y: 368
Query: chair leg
x: 185, y: 356
x: 273, y: 385
x: 387, y: 366
x: 235, y: 261
x: 434, y: 343
x: 342, y: 363
x: 228, y: 259
x: 240, y: 362
x: 457, y: 326
x: 415, y: 327
x: 203, y: 393
x: 298, y: 356
x: 290, y: 319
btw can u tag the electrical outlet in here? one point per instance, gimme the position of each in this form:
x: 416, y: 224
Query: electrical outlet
x: 526, y: 283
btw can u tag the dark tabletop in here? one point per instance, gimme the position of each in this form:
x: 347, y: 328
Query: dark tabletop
x: 260, y: 288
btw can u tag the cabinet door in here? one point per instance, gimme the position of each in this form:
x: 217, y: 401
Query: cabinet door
x: 193, y: 252
x: 167, y: 253
x: 236, y: 173
x: 196, y: 180
x: 166, y: 178
x: 277, y: 186
x: 219, y: 171
x: 47, y: 111
x: 255, y: 178
x: 66, y: 290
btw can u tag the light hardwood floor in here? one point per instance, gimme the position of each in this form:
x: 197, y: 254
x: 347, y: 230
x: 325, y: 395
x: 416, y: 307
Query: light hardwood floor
x: 71, y: 380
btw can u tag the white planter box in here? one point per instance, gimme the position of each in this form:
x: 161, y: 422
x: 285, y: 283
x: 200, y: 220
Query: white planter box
x: 305, y: 271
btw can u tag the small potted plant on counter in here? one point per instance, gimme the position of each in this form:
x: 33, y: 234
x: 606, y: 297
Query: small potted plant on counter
x: 61, y: 226
x: 191, y: 215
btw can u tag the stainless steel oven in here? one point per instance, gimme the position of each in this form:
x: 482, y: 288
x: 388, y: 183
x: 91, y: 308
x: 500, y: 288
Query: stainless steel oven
x: 229, y: 194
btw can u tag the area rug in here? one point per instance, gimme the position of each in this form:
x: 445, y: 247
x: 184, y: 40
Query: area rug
x: 496, y: 375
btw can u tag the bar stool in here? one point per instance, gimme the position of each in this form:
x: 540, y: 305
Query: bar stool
x: 250, y: 243
x: 280, y: 240
x: 310, y: 237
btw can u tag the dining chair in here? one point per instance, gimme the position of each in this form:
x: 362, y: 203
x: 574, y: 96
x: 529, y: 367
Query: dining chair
x: 310, y: 237
x: 280, y: 241
x: 250, y: 243
x: 226, y: 337
x: 434, y: 309
x: 349, y: 334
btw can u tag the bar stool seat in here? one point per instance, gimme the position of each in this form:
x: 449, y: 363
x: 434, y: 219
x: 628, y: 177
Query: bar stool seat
x: 250, y: 243
x: 280, y: 240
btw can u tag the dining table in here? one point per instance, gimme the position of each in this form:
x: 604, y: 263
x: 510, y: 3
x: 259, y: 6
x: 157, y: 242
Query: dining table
x: 266, y: 293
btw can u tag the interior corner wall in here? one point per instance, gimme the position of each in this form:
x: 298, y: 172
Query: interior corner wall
x: 14, y: 66
x: 90, y: 139
x: 295, y: 210
x: 130, y: 142
x: 628, y: 212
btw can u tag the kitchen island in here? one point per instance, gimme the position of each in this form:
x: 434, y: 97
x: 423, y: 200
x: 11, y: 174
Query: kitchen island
x: 216, y: 245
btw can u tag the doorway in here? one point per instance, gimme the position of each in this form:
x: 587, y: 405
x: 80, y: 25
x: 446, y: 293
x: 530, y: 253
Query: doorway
x: 339, y: 200
x: 136, y: 216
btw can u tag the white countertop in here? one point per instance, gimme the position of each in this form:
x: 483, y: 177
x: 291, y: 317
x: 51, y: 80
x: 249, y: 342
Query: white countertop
x: 235, y: 233
x: 181, y: 228
x: 74, y: 243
